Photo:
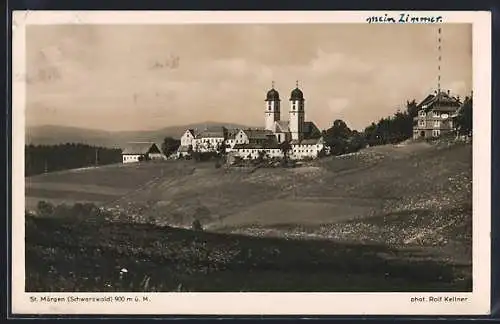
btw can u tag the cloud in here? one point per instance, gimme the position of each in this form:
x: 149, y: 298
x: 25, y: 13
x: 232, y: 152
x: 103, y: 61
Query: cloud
x: 337, y: 105
x: 355, y: 72
x: 325, y: 64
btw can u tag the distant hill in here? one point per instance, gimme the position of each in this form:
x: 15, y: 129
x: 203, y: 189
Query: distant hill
x: 52, y: 134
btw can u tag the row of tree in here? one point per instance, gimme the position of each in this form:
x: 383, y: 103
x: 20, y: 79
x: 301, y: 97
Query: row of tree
x: 48, y: 158
x: 393, y: 129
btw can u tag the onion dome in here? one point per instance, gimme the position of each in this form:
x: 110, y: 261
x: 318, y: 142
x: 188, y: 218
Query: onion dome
x: 296, y: 95
x: 273, y: 95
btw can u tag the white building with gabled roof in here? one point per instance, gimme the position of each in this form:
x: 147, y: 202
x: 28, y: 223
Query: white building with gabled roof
x: 141, y: 151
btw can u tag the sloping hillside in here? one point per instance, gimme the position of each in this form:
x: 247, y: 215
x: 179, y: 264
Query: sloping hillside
x: 64, y: 255
x: 414, y: 200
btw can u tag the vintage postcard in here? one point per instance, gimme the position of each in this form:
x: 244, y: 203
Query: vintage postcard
x: 251, y: 163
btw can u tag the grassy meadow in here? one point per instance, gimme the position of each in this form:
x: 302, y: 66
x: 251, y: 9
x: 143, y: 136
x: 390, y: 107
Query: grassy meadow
x: 387, y: 218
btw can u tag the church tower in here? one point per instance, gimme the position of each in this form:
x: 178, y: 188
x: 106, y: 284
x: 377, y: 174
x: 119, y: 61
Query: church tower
x: 272, y: 113
x: 297, y: 114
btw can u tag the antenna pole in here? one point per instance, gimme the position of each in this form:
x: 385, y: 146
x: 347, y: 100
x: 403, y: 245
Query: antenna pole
x: 439, y: 61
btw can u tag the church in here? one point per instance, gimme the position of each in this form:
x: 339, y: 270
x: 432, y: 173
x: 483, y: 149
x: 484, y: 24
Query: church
x: 304, y: 137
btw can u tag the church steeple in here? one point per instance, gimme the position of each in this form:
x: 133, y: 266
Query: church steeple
x: 272, y: 113
x: 297, y: 113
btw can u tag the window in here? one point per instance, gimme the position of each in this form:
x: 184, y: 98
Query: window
x: 436, y: 132
x: 422, y: 113
x: 437, y: 123
x: 435, y: 114
x: 421, y: 123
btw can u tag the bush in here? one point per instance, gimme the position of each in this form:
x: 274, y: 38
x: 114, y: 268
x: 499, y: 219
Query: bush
x: 45, y: 209
x: 204, y: 156
x: 63, y: 211
x: 196, y: 226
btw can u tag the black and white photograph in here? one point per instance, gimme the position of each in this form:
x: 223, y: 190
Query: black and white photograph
x: 248, y: 156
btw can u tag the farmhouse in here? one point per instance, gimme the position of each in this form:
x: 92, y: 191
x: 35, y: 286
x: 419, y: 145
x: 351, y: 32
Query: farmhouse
x: 210, y: 140
x: 303, y: 136
x: 435, y: 115
x: 308, y: 148
x: 188, y: 137
x: 141, y: 151
x: 187, y: 140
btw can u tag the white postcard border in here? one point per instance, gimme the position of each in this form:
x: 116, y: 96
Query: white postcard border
x: 262, y: 303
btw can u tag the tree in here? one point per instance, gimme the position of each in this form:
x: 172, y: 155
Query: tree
x: 170, y: 145
x: 45, y: 209
x: 392, y: 129
x: 66, y: 156
x: 261, y: 156
x: 339, y: 129
x: 412, y: 109
x: 196, y: 226
x: 221, y: 148
x: 285, y: 148
x: 337, y: 137
x: 464, y: 118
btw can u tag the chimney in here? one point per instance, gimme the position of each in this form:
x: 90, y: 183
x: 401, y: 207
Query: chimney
x: 448, y: 92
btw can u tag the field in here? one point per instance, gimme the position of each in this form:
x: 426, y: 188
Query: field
x: 389, y: 218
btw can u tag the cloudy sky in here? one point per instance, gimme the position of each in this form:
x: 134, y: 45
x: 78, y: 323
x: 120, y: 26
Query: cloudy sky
x: 134, y: 77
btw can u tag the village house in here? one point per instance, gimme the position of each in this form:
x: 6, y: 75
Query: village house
x: 141, y: 151
x: 253, y: 151
x: 307, y: 148
x: 188, y: 137
x: 186, y: 145
x: 254, y: 136
x: 210, y: 139
x: 436, y: 114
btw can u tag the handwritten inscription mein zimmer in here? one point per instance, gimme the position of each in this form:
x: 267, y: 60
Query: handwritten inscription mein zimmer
x: 404, y: 18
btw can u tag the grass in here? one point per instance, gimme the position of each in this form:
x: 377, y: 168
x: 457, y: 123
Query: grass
x: 384, y: 219
x: 65, y: 255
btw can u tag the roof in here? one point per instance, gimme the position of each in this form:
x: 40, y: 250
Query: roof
x: 258, y: 134
x: 191, y: 131
x: 273, y: 95
x: 442, y: 100
x: 296, y: 94
x: 139, y: 148
x: 311, y: 130
x: 311, y: 141
x: 256, y: 146
x: 231, y: 133
x: 282, y: 126
x: 213, y: 131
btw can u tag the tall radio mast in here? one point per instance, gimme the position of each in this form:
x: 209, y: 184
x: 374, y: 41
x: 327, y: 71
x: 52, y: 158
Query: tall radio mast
x: 439, y: 62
